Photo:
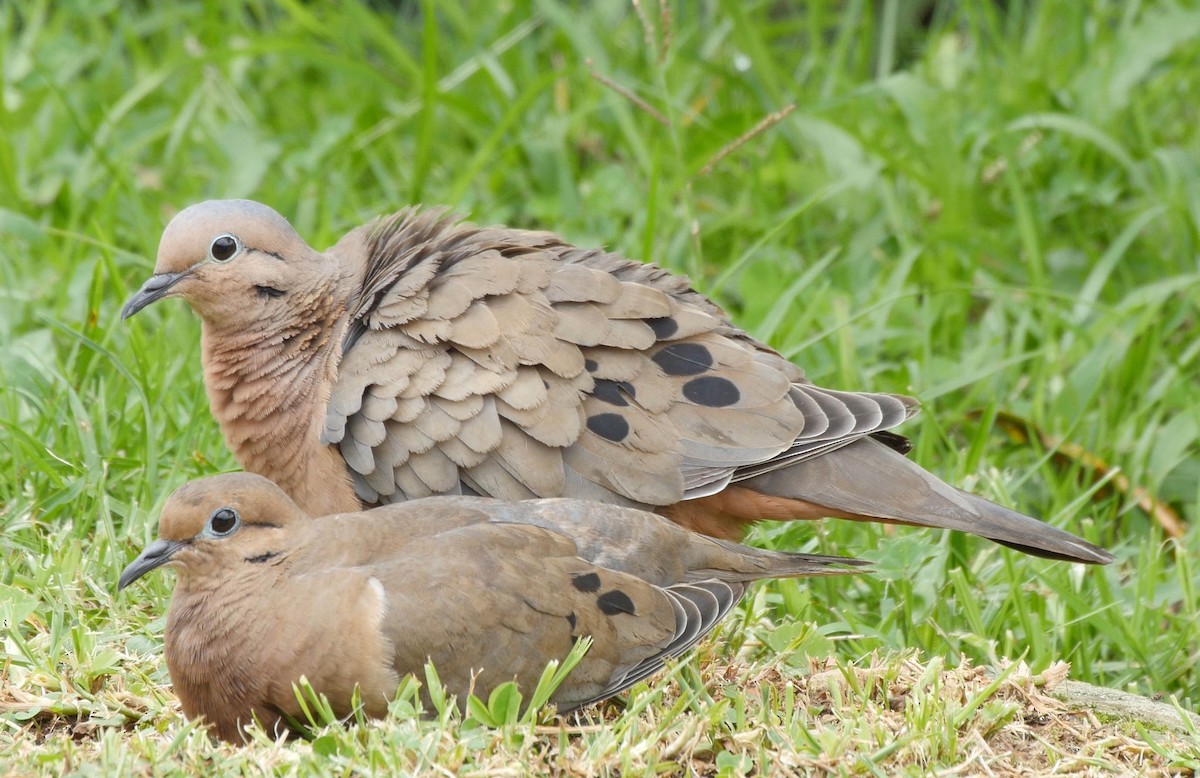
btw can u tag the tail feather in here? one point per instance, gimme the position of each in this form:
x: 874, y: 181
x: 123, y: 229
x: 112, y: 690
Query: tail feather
x: 868, y: 480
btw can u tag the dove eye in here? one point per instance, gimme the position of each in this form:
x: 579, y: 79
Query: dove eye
x: 224, y: 521
x: 224, y: 248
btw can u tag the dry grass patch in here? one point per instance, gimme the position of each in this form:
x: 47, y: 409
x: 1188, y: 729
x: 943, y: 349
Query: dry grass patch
x: 891, y: 714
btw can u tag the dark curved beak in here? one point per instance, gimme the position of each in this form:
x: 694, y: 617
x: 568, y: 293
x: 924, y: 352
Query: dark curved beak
x: 154, y: 555
x: 155, y: 288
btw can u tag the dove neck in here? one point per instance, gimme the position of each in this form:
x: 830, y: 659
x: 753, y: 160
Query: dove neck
x: 268, y: 384
x: 206, y: 650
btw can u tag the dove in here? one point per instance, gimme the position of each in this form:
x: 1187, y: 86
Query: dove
x: 421, y: 356
x: 489, y: 591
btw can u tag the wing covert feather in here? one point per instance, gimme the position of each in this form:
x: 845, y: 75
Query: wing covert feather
x: 510, y: 363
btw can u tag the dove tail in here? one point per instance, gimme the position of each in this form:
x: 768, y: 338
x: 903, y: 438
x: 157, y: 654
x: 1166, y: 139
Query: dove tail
x: 868, y: 481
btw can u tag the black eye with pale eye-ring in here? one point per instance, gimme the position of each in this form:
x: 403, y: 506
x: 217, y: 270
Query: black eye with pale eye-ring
x: 224, y: 521
x: 224, y: 248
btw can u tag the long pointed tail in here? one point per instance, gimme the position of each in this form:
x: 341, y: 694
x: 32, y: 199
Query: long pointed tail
x: 866, y: 480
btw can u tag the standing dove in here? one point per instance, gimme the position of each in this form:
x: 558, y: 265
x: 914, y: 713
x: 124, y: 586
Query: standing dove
x: 423, y: 356
x: 490, y: 591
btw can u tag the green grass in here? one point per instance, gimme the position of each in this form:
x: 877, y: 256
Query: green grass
x: 997, y: 211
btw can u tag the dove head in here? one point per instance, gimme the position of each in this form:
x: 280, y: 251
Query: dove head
x: 234, y: 261
x: 213, y: 525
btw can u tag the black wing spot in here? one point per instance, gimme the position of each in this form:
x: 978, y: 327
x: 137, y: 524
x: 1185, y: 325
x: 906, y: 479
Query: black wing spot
x: 713, y: 391
x: 572, y: 621
x: 590, y: 365
x: 610, y: 426
x: 615, y: 601
x: 664, y: 327
x: 610, y: 391
x: 586, y: 582
x: 684, y: 359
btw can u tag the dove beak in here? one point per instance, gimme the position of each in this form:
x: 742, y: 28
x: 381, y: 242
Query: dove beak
x: 155, y: 288
x: 153, y: 556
